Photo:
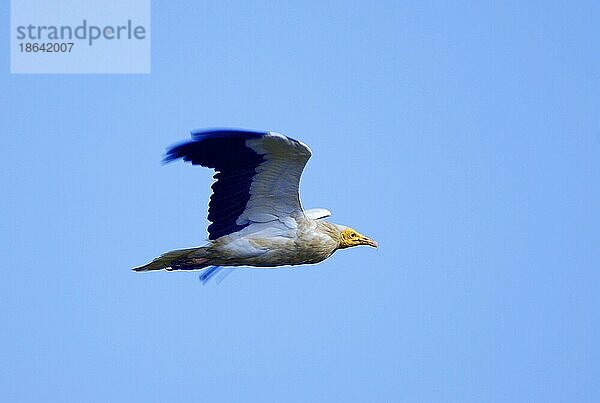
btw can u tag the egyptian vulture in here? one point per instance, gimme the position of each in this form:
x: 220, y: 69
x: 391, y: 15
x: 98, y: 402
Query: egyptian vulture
x: 255, y: 212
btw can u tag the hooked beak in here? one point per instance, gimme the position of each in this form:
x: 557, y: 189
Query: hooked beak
x: 369, y: 241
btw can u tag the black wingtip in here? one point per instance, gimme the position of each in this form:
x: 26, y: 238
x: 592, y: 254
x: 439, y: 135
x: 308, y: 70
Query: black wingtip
x: 186, y: 149
x: 175, y: 152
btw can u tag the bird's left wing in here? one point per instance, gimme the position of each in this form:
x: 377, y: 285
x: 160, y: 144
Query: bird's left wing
x: 317, y: 213
x: 258, y: 175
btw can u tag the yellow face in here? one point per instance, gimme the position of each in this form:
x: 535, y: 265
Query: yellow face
x: 350, y: 237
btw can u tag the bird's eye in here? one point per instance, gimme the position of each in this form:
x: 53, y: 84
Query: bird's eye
x: 353, y: 235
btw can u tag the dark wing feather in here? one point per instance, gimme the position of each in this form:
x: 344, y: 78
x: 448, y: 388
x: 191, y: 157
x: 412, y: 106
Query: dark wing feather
x: 226, y: 152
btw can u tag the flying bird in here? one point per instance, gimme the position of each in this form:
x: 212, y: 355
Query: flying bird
x: 255, y: 211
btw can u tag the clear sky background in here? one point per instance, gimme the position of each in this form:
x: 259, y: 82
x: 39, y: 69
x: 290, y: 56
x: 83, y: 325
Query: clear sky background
x: 464, y: 137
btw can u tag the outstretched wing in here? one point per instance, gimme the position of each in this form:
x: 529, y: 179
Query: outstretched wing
x: 258, y: 174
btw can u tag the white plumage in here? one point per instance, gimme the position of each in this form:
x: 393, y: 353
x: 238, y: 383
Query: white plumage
x: 255, y: 210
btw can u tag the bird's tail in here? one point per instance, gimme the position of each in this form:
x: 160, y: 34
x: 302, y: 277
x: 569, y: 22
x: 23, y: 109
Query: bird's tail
x: 181, y: 259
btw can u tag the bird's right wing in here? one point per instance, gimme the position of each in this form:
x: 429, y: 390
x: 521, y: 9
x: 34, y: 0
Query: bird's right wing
x: 258, y: 175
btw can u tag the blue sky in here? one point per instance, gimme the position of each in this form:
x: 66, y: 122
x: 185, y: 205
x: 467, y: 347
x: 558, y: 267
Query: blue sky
x: 463, y: 137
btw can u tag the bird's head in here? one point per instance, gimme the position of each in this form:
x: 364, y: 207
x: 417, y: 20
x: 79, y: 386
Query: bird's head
x: 350, y: 237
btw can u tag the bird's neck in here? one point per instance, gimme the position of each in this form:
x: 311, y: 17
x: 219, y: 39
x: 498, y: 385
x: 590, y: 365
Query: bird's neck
x: 332, y: 230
